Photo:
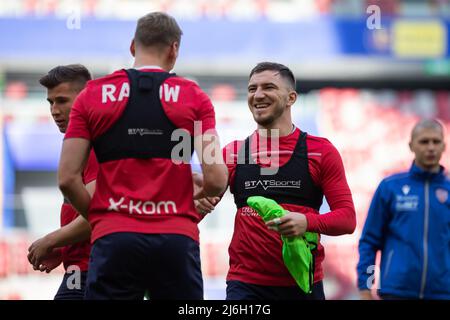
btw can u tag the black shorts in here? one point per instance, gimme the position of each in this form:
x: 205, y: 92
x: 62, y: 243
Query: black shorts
x: 237, y: 290
x: 129, y: 265
x: 72, y: 286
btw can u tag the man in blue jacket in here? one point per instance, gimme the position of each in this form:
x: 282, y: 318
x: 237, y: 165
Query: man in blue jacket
x: 409, y: 222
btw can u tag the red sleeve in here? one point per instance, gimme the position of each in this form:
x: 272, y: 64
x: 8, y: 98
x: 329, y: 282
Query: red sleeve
x: 78, y: 127
x: 187, y: 106
x: 229, y: 153
x: 342, y: 218
x: 91, y: 169
x: 205, y: 111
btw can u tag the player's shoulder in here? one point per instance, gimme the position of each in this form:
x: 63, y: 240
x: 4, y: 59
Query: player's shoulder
x: 398, y: 177
x: 233, y: 146
x: 447, y: 175
x: 112, y: 78
x: 237, y: 144
x: 108, y: 88
x: 320, y: 144
x: 318, y: 139
x: 230, y: 152
x: 185, y: 83
x: 392, y: 181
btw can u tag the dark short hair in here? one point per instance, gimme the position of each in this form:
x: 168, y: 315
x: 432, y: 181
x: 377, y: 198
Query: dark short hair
x: 157, y: 29
x: 76, y: 73
x: 284, y: 71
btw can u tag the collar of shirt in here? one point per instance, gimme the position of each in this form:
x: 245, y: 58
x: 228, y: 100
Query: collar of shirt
x: 147, y: 67
x: 425, y: 175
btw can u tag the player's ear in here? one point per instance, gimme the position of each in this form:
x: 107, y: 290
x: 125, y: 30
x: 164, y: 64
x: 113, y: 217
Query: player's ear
x: 133, y: 48
x: 292, y: 97
x: 174, y: 47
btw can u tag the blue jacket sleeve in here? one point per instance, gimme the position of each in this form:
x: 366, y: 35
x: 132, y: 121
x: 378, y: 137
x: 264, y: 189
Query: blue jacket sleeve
x: 373, y: 233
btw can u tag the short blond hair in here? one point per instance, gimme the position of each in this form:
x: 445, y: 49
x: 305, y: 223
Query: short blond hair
x: 157, y: 29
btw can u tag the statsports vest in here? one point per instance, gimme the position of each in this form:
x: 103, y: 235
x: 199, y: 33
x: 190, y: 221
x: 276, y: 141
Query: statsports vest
x: 143, y: 131
x: 292, y: 183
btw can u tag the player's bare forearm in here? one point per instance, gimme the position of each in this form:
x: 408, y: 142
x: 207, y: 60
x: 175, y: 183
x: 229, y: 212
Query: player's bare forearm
x: 199, y: 192
x: 74, y: 155
x: 215, y: 173
x: 74, y: 190
x: 78, y: 230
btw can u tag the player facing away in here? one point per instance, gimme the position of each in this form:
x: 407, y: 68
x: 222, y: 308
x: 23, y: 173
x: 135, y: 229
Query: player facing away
x: 144, y: 222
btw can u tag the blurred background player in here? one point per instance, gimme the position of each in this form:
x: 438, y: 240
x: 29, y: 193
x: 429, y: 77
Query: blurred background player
x: 71, y: 243
x: 144, y: 222
x: 307, y: 168
x: 409, y: 222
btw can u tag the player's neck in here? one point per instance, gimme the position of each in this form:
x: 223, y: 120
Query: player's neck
x: 281, y: 126
x: 276, y: 130
x: 149, y: 60
x: 432, y: 169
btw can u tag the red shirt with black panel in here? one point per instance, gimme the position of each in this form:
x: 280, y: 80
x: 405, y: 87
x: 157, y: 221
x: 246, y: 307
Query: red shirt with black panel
x: 304, y: 169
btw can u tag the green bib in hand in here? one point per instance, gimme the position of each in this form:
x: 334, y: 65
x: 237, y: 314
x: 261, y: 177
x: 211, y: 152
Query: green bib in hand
x: 297, y: 255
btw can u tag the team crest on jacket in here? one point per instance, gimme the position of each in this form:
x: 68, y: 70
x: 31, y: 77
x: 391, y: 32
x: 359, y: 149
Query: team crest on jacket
x: 405, y: 189
x: 441, y: 195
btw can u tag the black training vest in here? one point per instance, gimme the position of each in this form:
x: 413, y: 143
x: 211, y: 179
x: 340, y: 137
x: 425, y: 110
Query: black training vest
x: 143, y: 130
x: 292, y: 184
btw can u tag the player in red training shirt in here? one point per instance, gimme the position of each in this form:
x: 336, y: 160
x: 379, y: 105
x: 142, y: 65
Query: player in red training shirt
x: 144, y: 221
x: 281, y: 162
x: 71, y: 243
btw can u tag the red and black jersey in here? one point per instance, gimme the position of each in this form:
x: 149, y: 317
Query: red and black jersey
x: 255, y: 251
x: 139, y: 186
x: 78, y: 254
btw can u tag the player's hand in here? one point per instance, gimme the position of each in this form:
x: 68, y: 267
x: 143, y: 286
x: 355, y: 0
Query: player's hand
x: 292, y: 224
x: 38, y: 251
x: 197, y: 180
x: 51, y: 261
x: 206, y: 205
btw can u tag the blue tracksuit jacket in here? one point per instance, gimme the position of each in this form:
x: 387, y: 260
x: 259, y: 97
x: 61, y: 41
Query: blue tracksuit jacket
x: 409, y: 221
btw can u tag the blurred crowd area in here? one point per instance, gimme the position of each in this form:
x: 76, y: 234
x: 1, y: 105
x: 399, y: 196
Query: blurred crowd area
x: 232, y: 9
